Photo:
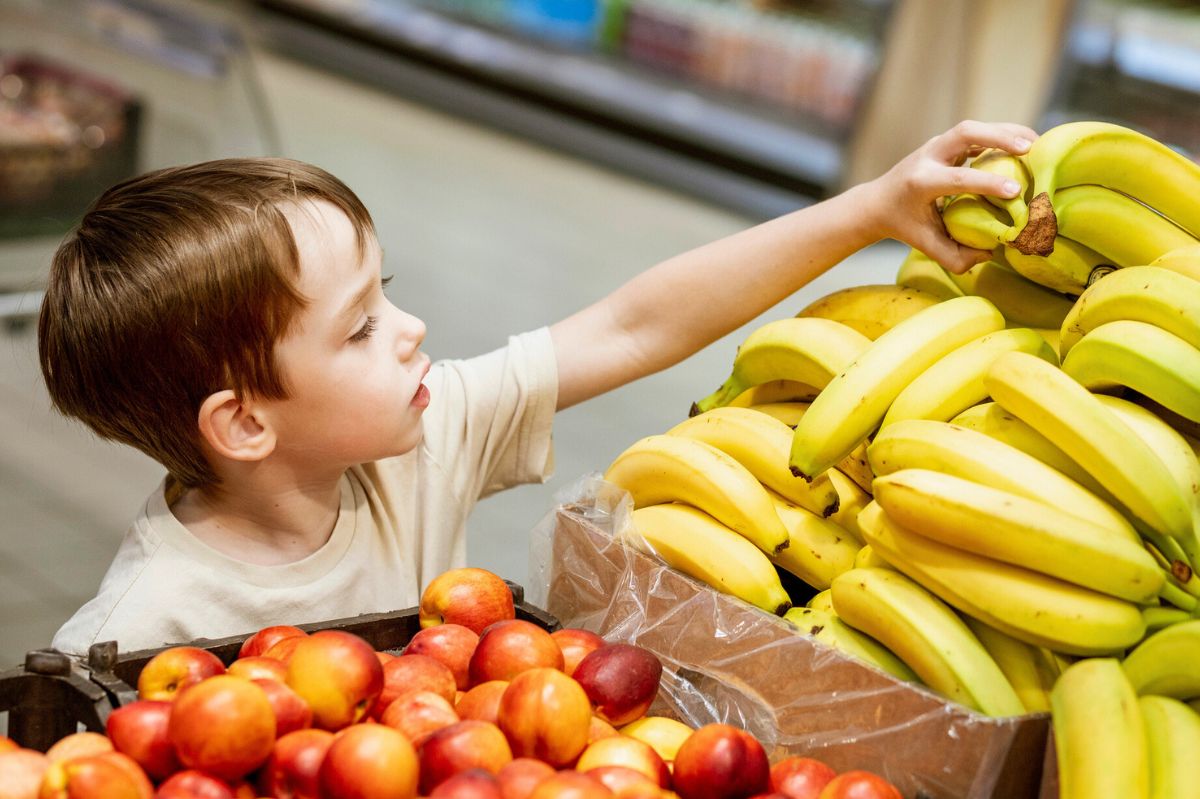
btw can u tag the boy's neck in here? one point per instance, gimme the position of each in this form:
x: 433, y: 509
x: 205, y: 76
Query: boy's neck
x: 267, y: 525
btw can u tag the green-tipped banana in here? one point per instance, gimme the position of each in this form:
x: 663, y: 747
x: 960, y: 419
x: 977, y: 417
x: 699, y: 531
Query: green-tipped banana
x: 1172, y: 740
x: 826, y: 627
x: 1143, y: 357
x: 659, y: 469
x: 927, y: 635
x: 974, y: 455
x: 1022, y: 302
x: 1048, y: 400
x: 819, y: 549
x: 1159, y: 617
x: 1184, y: 261
x: 854, y: 465
x: 920, y: 272
x: 973, y: 221
x: 1099, y: 737
x: 692, y: 542
x: 1166, y: 662
x: 822, y: 600
x: 761, y: 444
x: 809, y: 351
x: 871, y: 310
x: 1069, y: 267
x: 1148, y: 294
x: 1024, y: 532
x: 1027, y: 605
x: 853, y: 403
x: 1121, y: 229
x: 1011, y: 167
x: 955, y: 382
x: 1028, y: 670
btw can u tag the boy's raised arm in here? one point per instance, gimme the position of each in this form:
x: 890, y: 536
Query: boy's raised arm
x: 685, y: 303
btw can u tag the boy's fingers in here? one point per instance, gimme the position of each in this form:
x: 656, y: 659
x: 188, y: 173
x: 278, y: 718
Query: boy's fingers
x: 957, y: 143
x: 964, y: 180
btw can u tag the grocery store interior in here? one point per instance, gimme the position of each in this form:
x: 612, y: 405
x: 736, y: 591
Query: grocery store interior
x: 521, y: 158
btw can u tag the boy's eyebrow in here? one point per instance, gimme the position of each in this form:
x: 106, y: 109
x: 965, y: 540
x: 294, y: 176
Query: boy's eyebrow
x: 359, y: 297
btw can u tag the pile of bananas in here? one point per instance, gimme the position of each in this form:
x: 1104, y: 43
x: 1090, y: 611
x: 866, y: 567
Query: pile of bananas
x: 989, y: 480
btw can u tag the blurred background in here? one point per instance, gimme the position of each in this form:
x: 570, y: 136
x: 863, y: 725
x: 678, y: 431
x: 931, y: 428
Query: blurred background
x: 521, y: 158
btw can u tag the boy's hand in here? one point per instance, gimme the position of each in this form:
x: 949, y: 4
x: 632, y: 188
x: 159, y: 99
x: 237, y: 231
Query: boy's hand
x: 905, y: 198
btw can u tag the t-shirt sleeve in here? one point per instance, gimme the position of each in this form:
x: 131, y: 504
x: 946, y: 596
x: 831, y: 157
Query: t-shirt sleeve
x: 491, y: 417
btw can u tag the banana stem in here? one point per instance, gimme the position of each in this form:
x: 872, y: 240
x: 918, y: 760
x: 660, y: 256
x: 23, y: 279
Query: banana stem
x: 1178, y: 597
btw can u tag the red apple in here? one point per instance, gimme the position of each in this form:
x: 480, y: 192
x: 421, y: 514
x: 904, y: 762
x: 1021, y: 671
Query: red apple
x: 599, y: 729
x: 621, y: 680
x: 419, y: 714
x: 291, y: 711
x: 21, y: 772
x: 258, y: 667
x: 470, y: 784
x: 482, y: 702
x: 771, y: 795
x: 385, y: 658
x: 337, y: 674
x: 800, y: 777
x: 282, y: 649
x: 133, y: 771
x: 369, y: 761
x: 859, y: 785
x: 413, y: 673
x: 619, y: 779
x: 79, y: 744
x: 718, y: 761
x: 621, y: 750
x: 89, y: 777
x: 224, y: 726
x: 571, y: 785
x: 139, y: 729
x: 459, y: 747
x: 192, y: 784
x: 267, y: 637
x: 508, y: 648
x: 174, y: 669
x: 452, y: 644
x: 545, y: 714
x: 295, y: 762
x: 474, y: 598
x: 521, y: 776
x: 575, y: 643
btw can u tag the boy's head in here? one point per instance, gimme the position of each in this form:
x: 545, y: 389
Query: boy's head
x: 176, y: 285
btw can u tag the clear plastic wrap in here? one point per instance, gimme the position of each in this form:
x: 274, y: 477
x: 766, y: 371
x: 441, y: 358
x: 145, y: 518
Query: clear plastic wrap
x: 726, y: 661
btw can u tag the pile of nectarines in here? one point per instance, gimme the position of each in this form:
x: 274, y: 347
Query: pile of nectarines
x: 480, y: 705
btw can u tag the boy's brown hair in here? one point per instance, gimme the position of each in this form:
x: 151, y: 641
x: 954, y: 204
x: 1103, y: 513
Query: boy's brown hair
x: 177, y: 284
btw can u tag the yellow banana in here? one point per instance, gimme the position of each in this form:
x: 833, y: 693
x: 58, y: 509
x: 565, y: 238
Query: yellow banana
x: 1143, y: 357
x: 853, y: 465
x: 868, y: 558
x: 787, y: 412
x: 974, y: 455
x: 1028, y: 671
x: 919, y: 271
x: 853, y: 403
x: 1184, y: 261
x: 761, y: 444
x: 694, y: 543
x: 1165, y: 663
x: 659, y: 469
x: 776, y: 391
x: 1013, y: 529
x: 927, y: 636
x: 1099, y: 737
x: 819, y: 549
x: 1148, y: 294
x: 1022, y: 302
x: 1048, y: 400
x: 822, y: 600
x: 1118, y: 227
x: 1052, y: 337
x: 1012, y: 167
x: 1172, y: 741
x: 1069, y: 267
x: 851, y: 500
x: 973, y: 221
x: 955, y: 382
x: 663, y: 735
x: 809, y: 351
x: 871, y: 310
x: 826, y: 627
x: 1027, y: 605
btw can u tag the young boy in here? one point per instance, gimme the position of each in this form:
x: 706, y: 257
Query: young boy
x: 228, y: 319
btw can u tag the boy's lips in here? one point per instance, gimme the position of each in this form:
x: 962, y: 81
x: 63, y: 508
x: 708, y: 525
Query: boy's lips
x: 420, y: 397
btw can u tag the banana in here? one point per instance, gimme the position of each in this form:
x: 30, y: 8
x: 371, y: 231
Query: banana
x: 1048, y: 400
x: 973, y: 221
x: 955, y: 382
x: 1069, y: 267
x: 761, y: 444
x: 853, y: 403
x: 1159, y: 617
x: 871, y: 310
x: 1024, y: 532
x: 1099, y: 736
x: 1143, y: 357
x: 1022, y: 302
x: 1172, y: 741
x: 819, y: 549
x: 1165, y: 663
x: 851, y: 500
x: 1185, y: 261
x: 660, y: 469
x: 973, y: 455
x: 1148, y: 294
x: 927, y: 635
x: 787, y: 412
x: 853, y: 465
x: 776, y: 391
x: 663, y: 735
x: 826, y: 627
x: 1121, y: 159
x: 1028, y: 670
x: 1052, y: 337
x: 1121, y: 229
x: 694, y: 543
x: 809, y: 351
x: 822, y: 600
x: 919, y: 271
x: 1012, y: 167
x: 1027, y: 605
x: 868, y: 558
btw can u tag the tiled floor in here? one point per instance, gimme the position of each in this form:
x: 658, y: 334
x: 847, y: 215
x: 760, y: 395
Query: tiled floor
x: 488, y: 236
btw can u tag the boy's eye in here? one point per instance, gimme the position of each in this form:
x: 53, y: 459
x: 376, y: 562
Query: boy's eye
x: 364, y: 332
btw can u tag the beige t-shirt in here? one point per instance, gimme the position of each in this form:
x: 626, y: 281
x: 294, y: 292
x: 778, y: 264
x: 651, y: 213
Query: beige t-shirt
x: 402, y: 521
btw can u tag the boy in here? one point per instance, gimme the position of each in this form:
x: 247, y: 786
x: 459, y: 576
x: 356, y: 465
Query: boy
x: 229, y: 320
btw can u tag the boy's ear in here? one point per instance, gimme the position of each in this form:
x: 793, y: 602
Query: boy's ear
x: 233, y: 429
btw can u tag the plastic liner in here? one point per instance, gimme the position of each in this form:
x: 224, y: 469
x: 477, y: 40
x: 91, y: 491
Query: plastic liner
x: 727, y: 661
